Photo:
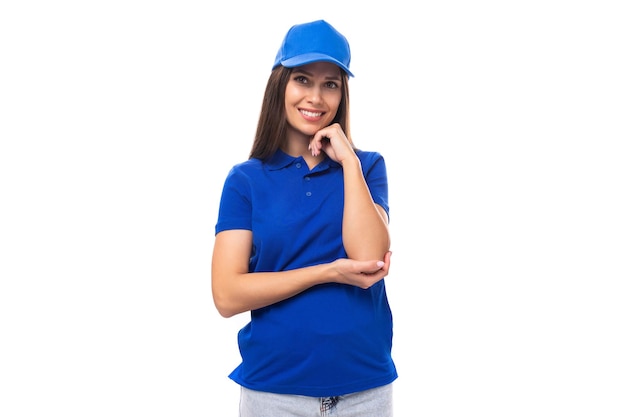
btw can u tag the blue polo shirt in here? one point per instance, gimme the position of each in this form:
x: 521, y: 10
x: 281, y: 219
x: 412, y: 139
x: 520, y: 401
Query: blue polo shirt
x: 332, y: 339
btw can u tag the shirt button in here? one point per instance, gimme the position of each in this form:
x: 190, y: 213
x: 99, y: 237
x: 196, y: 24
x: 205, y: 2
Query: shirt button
x: 307, y: 178
x: 298, y: 165
x: 308, y: 194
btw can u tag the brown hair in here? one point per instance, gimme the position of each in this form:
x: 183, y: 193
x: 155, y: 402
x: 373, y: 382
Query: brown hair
x: 271, y: 131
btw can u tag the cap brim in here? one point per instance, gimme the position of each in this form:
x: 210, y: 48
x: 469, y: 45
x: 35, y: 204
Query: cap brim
x: 304, y: 59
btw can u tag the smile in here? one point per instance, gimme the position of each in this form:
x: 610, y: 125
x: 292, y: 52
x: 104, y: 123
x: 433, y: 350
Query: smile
x: 310, y: 113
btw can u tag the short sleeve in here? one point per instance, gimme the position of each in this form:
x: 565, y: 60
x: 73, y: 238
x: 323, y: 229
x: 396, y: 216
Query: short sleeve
x: 235, y: 209
x: 375, y: 173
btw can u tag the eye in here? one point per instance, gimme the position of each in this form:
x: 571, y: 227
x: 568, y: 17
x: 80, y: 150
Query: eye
x: 332, y: 85
x: 301, y: 79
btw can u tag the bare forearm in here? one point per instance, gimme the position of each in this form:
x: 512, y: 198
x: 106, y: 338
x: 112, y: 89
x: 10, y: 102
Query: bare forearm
x: 365, y: 230
x: 250, y: 291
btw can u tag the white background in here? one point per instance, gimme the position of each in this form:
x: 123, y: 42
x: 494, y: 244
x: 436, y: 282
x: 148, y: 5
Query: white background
x: 503, y: 127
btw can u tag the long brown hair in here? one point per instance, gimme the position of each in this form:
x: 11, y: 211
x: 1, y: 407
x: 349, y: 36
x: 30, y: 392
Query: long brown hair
x: 271, y: 131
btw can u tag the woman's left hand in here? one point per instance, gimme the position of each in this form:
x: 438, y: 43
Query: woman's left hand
x: 333, y: 141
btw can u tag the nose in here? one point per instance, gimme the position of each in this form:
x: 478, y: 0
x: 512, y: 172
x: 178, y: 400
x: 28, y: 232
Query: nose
x: 315, y: 94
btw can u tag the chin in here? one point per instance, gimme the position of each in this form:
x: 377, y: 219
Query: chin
x: 309, y: 131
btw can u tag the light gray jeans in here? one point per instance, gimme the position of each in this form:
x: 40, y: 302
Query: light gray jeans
x: 376, y: 402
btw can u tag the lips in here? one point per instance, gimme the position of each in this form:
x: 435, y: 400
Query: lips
x: 313, y: 114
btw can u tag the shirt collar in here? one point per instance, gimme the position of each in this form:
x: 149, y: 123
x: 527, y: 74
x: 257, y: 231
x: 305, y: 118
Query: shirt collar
x: 281, y: 160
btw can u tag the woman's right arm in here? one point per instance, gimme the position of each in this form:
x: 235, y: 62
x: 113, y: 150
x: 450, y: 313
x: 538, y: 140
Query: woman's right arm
x: 235, y: 290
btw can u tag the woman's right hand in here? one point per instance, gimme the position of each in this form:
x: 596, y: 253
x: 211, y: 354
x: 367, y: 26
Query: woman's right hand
x: 362, y: 274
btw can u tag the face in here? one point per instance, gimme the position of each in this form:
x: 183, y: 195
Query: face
x: 312, y: 97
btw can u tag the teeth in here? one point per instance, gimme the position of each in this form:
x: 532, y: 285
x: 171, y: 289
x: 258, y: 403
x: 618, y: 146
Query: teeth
x: 311, y: 114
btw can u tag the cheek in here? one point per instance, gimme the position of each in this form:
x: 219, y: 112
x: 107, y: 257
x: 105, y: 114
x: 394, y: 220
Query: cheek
x: 292, y: 93
x: 333, y: 104
x: 334, y: 100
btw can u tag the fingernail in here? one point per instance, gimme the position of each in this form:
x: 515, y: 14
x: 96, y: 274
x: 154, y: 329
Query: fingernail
x: 380, y: 263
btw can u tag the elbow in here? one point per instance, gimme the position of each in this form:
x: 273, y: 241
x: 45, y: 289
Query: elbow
x: 223, y: 310
x: 225, y: 306
x: 226, y: 313
x: 226, y: 298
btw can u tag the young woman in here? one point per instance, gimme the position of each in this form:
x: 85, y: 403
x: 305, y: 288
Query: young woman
x: 302, y: 243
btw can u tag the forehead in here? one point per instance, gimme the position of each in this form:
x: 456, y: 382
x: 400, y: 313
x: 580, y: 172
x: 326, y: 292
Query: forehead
x: 321, y: 68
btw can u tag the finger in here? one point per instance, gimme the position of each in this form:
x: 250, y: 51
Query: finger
x: 320, y: 139
x: 373, y: 267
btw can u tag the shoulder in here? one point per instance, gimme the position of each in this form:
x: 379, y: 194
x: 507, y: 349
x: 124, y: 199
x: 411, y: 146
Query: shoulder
x: 246, y: 168
x: 250, y: 164
x: 369, y: 158
x: 242, y: 175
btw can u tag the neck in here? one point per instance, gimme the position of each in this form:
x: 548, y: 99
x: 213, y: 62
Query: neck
x: 300, y: 147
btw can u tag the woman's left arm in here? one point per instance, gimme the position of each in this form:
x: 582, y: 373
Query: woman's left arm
x: 365, y: 229
x: 365, y: 224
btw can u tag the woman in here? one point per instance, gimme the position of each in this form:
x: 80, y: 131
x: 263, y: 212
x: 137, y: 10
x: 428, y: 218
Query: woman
x: 302, y: 242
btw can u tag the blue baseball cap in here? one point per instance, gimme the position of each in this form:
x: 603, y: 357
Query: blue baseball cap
x: 313, y: 42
